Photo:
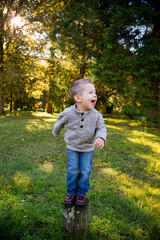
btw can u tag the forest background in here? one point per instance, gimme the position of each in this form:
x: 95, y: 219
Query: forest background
x: 45, y: 45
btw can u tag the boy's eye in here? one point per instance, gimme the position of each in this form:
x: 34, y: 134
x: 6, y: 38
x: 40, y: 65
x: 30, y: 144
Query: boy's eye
x: 92, y: 92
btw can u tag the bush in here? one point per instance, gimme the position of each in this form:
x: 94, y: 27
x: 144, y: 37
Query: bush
x: 130, y: 111
x: 150, y: 122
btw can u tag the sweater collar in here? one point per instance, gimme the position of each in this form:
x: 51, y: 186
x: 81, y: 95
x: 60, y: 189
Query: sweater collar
x: 80, y: 112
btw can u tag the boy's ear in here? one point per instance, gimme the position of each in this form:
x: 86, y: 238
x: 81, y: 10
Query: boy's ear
x: 77, y: 98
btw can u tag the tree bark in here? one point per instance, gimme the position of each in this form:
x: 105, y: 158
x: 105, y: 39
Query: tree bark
x: 1, y: 103
x: 49, y: 104
x: 76, y: 221
x: 84, y: 48
x: 1, y: 59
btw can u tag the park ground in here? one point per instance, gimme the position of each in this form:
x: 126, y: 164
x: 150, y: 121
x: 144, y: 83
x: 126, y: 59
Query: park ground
x: 124, y: 187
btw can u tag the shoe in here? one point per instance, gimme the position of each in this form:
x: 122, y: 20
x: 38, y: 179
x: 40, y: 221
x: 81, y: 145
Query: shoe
x: 69, y: 199
x: 80, y: 200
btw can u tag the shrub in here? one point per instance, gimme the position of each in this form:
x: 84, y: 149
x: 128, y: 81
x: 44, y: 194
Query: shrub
x: 130, y: 111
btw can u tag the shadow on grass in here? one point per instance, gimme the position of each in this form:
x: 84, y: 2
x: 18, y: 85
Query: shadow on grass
x: 32, y: 179
x: 33, y: 183
x: 134, y: 151
x: 124, y: 193
x: 117, y: 217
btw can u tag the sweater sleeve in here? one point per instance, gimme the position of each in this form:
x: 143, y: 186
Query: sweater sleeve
x: 101, y: 128
x: 61, y: 120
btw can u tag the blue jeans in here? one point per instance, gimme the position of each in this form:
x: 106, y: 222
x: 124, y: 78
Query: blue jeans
x: 78, y: 171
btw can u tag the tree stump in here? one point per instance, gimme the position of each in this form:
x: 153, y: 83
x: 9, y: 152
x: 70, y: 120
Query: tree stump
x: 76, y: 221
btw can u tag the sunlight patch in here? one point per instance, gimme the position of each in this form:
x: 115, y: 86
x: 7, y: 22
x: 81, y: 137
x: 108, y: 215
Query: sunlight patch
x: 34, y: 126
x: 114, y: 127
x: 110, y: 171
x: 145, y: 134
x: 115, y: 120
x: 47, y: 167
x: 21, y: 179
x: 46, y: 116
x: 131, y: 187
x: 152, y: 160
x: 155, y: 146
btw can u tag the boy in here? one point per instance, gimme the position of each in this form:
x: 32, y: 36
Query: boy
x: 85, y: 130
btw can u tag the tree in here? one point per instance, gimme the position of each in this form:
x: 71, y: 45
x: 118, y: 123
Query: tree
x: 129, y: 61
x: 9, y: 9
x: 116, y: 43
x: 1, y: 58
x: 76, y: 31
x: 62, y: 73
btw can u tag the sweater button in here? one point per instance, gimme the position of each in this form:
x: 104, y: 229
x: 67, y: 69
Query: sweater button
x: 82, y: 114
x: 82, y: 119
x: 81, y: 126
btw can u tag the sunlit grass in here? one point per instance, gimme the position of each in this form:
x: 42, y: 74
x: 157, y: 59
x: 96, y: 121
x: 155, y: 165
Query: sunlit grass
x: 145, y: 141
x: 114, y: 127
x: 124, y: 187
x: 127, y: 185
x: 21, y: 179
x: 46, y: 117
x: 48, y: 167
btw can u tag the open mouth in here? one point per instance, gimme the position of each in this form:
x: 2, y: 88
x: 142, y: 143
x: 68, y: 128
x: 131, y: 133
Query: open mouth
x: 93, y: 102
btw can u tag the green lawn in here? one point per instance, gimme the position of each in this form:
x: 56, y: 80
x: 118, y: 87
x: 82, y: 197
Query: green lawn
x: 124, y: 187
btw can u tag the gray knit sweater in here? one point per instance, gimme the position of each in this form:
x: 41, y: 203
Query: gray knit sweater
x: 82, y: 128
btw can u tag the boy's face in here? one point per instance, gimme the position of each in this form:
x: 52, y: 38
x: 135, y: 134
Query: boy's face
x: 87, y: 100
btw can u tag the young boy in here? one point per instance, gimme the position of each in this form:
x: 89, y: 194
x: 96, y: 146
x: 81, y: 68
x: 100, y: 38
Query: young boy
x: 85, y: 130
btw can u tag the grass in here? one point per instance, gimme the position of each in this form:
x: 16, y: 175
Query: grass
x: 124, y: 186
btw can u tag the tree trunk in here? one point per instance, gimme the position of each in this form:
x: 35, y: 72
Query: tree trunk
x: 44, y: 100
x: 82, y: 70
x: 155, y: 96
x: 84, y: 48
x: 49, y: 104
x: 1, y: 103
x: 11, y: 101
x: 1, y: 59
x: 76, y: 221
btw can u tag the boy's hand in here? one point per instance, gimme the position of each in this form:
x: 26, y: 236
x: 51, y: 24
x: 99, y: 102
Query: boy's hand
x: 99, y: 143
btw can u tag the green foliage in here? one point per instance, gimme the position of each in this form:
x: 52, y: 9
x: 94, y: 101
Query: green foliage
x: 114, y: 43
x: 147, y: 77
x: 130, y: 111
x: 19, y: 47
x: 118, y: 56
x: 76, y: 31
x: 124, y: 186
x: 149, y: 122
x: 129, y: 61
x: 17, y: 69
